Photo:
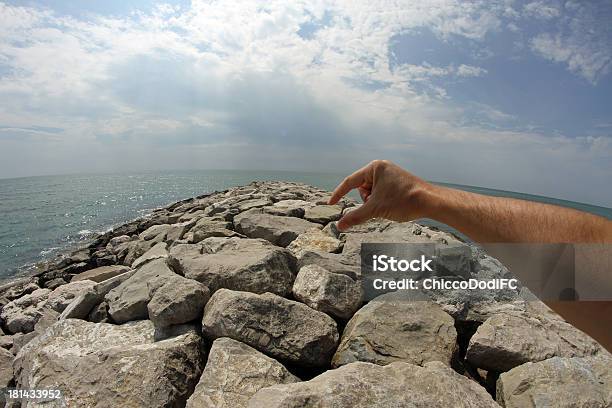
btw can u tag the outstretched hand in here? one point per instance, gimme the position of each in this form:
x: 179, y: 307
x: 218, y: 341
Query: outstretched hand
x: 387, y: 191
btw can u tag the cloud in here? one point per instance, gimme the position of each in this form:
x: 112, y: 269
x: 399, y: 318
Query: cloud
x: 292, y: 85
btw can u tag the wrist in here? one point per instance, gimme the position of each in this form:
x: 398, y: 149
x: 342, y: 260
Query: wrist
x: 425, y: 200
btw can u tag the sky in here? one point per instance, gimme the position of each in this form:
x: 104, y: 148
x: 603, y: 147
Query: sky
x: 513, y: 95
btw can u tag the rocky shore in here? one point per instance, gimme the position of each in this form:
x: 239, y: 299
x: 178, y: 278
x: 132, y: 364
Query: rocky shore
x: 251, y: 298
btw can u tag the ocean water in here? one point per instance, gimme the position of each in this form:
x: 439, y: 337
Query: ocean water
x: 43, y: 216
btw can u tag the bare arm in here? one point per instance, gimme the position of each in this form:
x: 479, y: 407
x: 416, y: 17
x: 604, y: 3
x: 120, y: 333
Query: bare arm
x: 391, y: 192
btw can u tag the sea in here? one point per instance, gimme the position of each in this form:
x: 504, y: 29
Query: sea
x: 41, y: 217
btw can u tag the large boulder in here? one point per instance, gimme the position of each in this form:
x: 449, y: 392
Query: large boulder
x: 101, y: 273
x: 314, y: 240
x: 6, y: 372
x: 20, y: 315
x: 104, y: 365
x: 61, y: 297
x: 281, y: 328
x: 323, y: 214
x: 129, y: 300
x: 505, y: 341
x: 276, y: 229
x: 391, y: 328
x: 289, y: 208
x: 366, y: 385
x: 234, y: 373
x: 335, y: 263
x: 210, y: 227
x: 177, y: 301
x: 333, y: 293
x: 157, y: 251
x: 558, y: 382
x: 252, y: 265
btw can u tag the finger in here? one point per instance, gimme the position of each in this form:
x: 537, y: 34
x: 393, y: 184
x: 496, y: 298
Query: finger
x: 350, y: 182
x: 356, y: 216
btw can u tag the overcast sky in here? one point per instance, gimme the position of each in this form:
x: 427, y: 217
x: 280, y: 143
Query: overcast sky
x: 502, y: 94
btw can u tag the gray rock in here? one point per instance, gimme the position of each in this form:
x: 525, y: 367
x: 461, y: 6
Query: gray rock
x: 20, y: 340
x: 156, y: 252
x: 234, y: 263
x: 55, y: 283
x: 61, y: 297
x: 129, y: 300
x: 391, y: 328
x: 154, y: 231
x: 210, y: 227
x: 99, y: 314
x: 365, y: 385
x: 558, y: 382
x: 334, y: 263
x: 99, y: 364
x: 101, y: 273
x: 335, y: 294
x: 6, y: 372
x: 6, y: 341
x: 323, y: 214
x: 276, y: 229
x: 234, y: 373
x: 20, y: 315
x: 178, y: 301
x: 289, y: 208
x: 279, y: 327
x: 505, y: 341
x: 314, y: 240
x: 80, y: 307
x: 18, y: 288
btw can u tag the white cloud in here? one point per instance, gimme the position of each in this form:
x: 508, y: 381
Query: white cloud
x: 232, y: 82
x: 545, y: 10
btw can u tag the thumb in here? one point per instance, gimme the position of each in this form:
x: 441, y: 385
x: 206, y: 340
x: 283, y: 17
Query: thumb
x: 357, y: 216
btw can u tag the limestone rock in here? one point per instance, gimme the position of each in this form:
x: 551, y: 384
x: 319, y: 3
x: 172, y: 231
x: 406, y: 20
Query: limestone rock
x: 334, y: 263
x: 129, y: 300
x: 156, y: 252
x: 314, y: 240
x: 289, y: 208
x: 323, y: 214
x: 332, y: 293
x: 104, y: 365
x: 20, y: 315
x: 240, y: 264
x: 6, y: 372
x: 61, y: 297
x: 276, y: 229
x: 505, y: 341
x: 178, y: 301
x: 558, y: 382
x: 366, y: 385
x: 210, y: 227
x: 101, y: 273
x: 391, y: 328
x: 281, y: 328
x: 234, y: 373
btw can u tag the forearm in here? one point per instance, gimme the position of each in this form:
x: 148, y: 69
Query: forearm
x: 495, y: 219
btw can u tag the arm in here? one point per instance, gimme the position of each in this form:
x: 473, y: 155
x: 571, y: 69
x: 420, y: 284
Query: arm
x: 391, y: 192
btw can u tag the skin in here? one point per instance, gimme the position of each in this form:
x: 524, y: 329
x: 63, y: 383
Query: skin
x: 390, y: 192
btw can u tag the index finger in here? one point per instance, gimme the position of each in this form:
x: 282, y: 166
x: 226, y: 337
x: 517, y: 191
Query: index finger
x: 350, y: 182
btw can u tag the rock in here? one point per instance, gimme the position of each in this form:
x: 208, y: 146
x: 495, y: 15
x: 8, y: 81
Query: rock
x: 107, y: 285
x: 6, y: 368
x: 178, y: 301
x: 18, y: 288
x: 332, y: 293
x: 558, y: 382
x: 61, y: 297
x: 80, y: 307
x: 99, y: 364
x: 20, y: 315
x: 20, y: 340
x: 48, y: 319
x: 6, y: 342
x: 115, y: 241
x: 234, y: 373
x: 365, y: 385
x: 210, y: 227
x: 279, y: 327
x: 334, y: 263
x: 128, y: 301
x: 276, y: 229
x: 505, y: 341
x: 391, y: 328
x: 99, y: 314
x: 155, y: 231
x: 240, y: 264
x: 314, y: 240
x: 156, y: 252
x: 289, y: 208
x: 253, y: 203
x: 101, y: 273
x: 323, y: 214
x: 55, y: 283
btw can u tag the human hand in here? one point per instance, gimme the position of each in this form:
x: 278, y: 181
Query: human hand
x: 387, y: 190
